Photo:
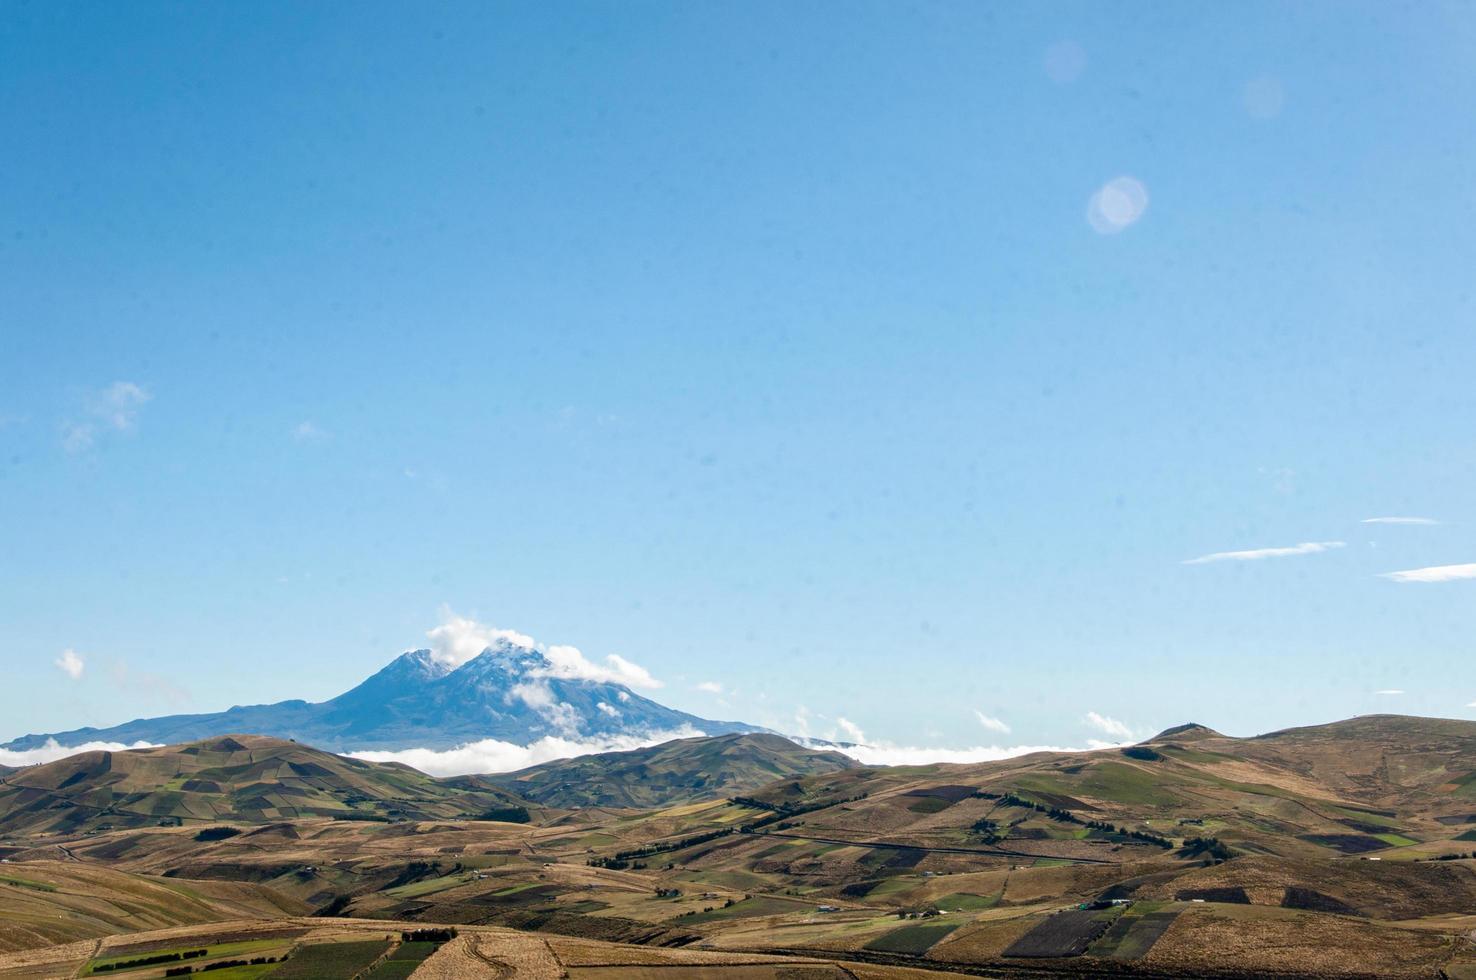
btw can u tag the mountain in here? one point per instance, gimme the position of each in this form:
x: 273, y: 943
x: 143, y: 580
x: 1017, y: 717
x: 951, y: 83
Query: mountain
x: 508, y: 692
x: 681, y: 771
x: 242, y: 778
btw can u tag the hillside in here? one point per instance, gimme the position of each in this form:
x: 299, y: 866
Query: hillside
x: 681, y: 771
x: 508, y: 692
x: 244, y: 778
x: 1339, y: 850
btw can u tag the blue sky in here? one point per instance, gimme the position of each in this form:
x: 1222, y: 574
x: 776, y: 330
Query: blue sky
x: 885, y: 362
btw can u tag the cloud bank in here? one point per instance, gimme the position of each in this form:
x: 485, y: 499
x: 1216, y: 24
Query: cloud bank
x: 1255, y: 554
x: 886, y: 754
x: 1434, y: 573
x: 491, y: 755
x: 51, y: 751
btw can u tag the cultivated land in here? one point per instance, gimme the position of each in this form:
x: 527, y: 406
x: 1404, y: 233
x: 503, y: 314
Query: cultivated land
x: 1340, y: 850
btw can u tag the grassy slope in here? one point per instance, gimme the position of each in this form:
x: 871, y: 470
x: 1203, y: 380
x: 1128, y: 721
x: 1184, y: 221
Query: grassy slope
x: 75, y: 901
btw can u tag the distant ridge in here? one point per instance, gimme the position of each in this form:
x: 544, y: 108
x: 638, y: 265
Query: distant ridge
x: 508, y: 692
x: 681, y: 771
x: 238, y: 778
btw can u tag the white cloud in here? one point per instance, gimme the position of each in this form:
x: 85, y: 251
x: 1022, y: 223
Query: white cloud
x: 306, y: 431
x: 70, y: 663
x: 886, y: 754
x: 852, y: 730
x: 118, y: 404
x: 1255, y: 554
x: 459, y: 639
x: 492, y: 755
x: 1426, y: 521
x: 710, y: 687
x: 992, y: 723
x: 537, y: 695
x: 609, y: 709
x: 569, y: 662
x: 1109, y: 725
x: 1117, y: 204
x: 114, y: 408
x: 1435, y: 573
x: 51, y: 751
x: 1389, y: 691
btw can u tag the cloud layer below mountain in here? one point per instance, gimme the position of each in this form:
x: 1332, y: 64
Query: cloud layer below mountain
x: 490, y: 755
x: 51, y: 751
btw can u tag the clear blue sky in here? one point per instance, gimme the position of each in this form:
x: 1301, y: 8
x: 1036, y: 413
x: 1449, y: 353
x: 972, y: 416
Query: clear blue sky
x: 775, y: 345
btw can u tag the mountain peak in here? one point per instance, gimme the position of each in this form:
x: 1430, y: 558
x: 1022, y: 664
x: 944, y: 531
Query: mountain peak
x: 1188, y: 732
x: 504, y: 657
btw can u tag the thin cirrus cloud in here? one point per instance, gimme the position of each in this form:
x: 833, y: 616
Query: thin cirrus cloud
x: 1108, y: 725
x: 111, y: 409
x: 1434, y: 573
x: 1389, y: 692
x: 992, y: 723
x: 1256, y: 554
x: 1422, y: 521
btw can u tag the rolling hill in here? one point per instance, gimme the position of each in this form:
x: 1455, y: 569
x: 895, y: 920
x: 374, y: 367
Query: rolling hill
x: 681, y: 771
x: 509, y: 692
x: 241, y: 778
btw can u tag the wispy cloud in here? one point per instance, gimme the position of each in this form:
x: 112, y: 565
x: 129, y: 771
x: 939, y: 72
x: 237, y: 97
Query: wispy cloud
x: 851, y: 730
x: 1434, y: 573
x: 1255, y: 554
x: 992, y: 723
x: 1427, y: 521
x: 306, y: 431
x: 111, y: 409
x: 1389, y: 692
x: 70, y: 663
x: 1111, y: 726
x: 710, y: 687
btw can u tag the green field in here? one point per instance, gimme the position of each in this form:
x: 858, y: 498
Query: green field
x: 429, y: 886
x: 1396, y: 840
x: 330, y: 961
x: 14, y: 882
x: 914, y: 940
x: 221, y: 950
